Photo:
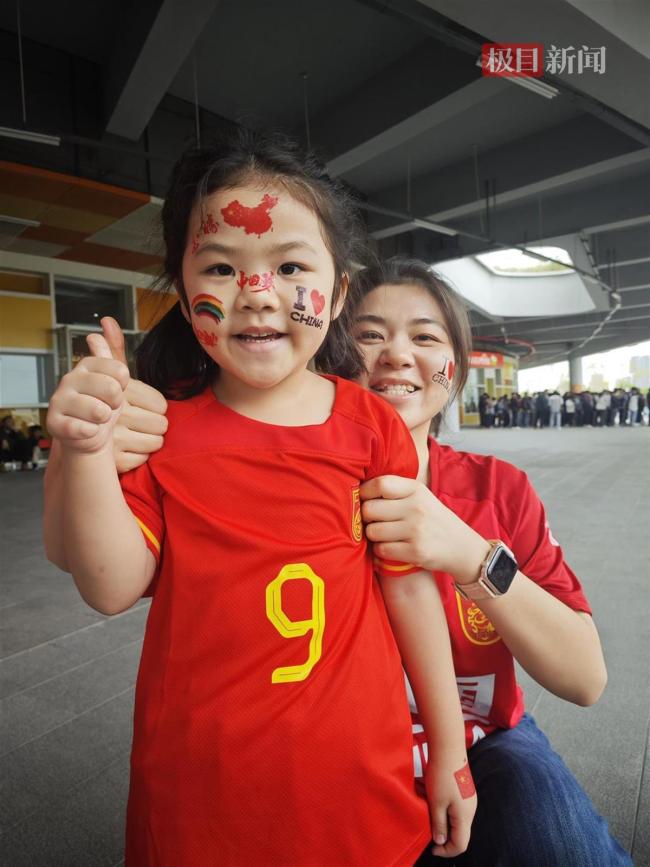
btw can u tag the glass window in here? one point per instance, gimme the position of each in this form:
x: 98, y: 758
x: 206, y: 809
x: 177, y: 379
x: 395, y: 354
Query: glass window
x: 516, y: 263
x: 80, y: 302
x: 25, y: 380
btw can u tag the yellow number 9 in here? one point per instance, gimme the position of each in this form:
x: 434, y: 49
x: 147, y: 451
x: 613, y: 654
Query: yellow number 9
x: 295, y: 628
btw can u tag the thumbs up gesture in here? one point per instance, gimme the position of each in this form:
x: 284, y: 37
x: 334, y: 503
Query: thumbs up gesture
x: 140, y: 426
x: 88, y: 400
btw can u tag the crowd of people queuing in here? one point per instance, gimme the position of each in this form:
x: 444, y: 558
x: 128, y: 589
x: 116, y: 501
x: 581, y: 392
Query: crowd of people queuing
x: 551, y: 409
x: 19, y: 447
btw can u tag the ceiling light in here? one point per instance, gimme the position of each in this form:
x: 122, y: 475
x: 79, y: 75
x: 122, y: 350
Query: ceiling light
x: 434, y: 227
x: 19, y: 221
x: 28, y: 135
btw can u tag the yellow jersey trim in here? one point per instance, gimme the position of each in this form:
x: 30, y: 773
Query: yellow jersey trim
x: 402, y: 567
x: 150, y: 536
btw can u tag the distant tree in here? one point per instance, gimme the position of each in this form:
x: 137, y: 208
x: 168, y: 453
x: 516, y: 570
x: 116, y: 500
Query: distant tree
x: 624, y: 382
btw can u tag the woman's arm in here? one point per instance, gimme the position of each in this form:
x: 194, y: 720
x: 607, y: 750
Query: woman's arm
x: 420, y: 628
x: 557, y: 646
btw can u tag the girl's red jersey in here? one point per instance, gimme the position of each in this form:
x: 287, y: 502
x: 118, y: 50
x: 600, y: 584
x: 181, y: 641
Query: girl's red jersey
x: 271, y: 721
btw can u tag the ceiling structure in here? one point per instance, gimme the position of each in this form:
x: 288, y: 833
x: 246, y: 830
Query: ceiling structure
x: 446, y: 163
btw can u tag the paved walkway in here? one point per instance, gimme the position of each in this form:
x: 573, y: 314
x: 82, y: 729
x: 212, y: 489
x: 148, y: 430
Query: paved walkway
x: 67, y: 672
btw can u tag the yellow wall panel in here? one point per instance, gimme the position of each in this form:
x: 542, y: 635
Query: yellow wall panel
x: 33, y: 284
x: 25, y: 322
x: 152, y: 306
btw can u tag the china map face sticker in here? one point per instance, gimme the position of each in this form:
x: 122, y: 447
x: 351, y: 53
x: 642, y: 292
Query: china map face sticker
x: 445, y: 375
x: 254, y: 221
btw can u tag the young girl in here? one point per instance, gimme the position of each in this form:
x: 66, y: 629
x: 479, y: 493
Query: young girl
x: 271, y: 723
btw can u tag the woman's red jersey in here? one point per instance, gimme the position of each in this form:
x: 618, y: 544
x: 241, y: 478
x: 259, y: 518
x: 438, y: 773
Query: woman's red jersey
x: 271, y: 721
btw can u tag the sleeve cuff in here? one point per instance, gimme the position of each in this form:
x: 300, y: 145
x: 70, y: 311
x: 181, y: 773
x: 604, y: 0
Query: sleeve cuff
x: 394, y: 568
x: 152, y: 542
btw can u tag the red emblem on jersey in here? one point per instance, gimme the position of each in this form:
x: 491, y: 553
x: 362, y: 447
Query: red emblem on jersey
x: 476, y: 626
x: 357, y: 526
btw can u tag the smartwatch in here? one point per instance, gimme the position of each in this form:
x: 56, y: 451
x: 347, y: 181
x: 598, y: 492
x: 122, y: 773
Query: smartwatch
x: 495, y: 576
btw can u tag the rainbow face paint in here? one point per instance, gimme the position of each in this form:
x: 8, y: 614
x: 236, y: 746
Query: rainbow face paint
x: 254, y: 221
x: 446, y: 373
x: 209, y: 306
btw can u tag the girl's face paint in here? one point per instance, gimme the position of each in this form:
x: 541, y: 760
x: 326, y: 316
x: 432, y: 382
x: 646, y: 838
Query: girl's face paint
x: 255, y: 220
x: 465, y: 782
x: 261, y: 282
x: 317, y: 301
x: 403, y: 336
x: 209, y: 226
x: 206, y: 306
x: 205, y: 338
x: 245, y: 287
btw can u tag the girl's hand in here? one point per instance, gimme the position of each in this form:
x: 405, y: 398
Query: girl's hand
x: 87, y: 403
x: 452, y: 804
x: 408, y: 523
x: 140, y: 426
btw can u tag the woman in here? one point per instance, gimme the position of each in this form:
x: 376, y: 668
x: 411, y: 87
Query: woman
x: 415, y: 338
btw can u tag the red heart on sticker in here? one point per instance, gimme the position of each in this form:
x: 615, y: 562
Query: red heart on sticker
x: 317, y: 300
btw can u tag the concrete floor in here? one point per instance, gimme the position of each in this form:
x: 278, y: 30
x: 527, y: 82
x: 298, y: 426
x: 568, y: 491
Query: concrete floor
x: 67, y: 672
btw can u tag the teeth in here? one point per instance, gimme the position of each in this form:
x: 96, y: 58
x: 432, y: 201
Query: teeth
x: 268, y: 336
x: 396, y: 389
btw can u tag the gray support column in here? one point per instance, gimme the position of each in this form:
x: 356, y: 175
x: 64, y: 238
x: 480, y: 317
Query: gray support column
x: 575, y: 374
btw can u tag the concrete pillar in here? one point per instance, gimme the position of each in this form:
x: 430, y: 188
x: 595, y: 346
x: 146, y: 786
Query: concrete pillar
x: 575, y: 374
x: 451, y: 418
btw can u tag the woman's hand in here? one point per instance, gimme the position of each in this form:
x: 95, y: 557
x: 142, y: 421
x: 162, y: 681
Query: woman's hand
x: 140, y: 427
x: 408, y: 523
x: 452, y: 803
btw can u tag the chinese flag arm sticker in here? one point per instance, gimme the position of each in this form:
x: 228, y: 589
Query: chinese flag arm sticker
x: 465, y: 782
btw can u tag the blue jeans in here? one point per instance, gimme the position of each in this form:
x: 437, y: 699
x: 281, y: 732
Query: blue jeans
x: 532, y: 812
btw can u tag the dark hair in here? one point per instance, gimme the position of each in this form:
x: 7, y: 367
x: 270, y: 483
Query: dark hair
x: 398, y: 271
x: 170, y: 357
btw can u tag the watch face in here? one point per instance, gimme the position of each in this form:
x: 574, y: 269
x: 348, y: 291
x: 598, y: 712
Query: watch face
x: 502, y: 570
